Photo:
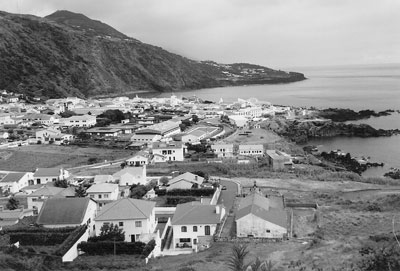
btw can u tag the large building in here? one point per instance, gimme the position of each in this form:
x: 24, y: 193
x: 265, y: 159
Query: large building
x: 172, y: 151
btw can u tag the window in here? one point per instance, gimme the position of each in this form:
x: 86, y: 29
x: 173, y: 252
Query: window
x: 183, y: 229
x: 194, y: 228
x: 184, y: 240
x: 92, y: 196
x: 120, y: 224
x: 138, y: 224
x: 106, y: 196
x: 195, y: 241
x: 54, y: 179
x: 99, y: 196
x: 268, y: 231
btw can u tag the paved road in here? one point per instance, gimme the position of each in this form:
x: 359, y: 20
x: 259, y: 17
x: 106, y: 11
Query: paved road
x: 227, y: 196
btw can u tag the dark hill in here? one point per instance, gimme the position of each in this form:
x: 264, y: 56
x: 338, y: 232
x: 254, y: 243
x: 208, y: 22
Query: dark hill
x: 67, y: 54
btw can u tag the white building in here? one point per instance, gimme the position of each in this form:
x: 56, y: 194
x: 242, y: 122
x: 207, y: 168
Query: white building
x: 131, y: 175
x: 139, y: 159
x: 172, y: 151
x: 223, y: 150
x: 36, y: 199
x: 13, y: 182
x: 194, y: 225
x: 251, y: 150
x: 45, y: 175
x: 134, y: 216
x: 147, y: 138
x: 103, y: 193
x: 79, y: 121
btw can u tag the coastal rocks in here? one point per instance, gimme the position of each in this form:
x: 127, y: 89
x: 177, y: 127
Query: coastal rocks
x: 301, y: 131
x: 394, y: 173
x: 342, y: 115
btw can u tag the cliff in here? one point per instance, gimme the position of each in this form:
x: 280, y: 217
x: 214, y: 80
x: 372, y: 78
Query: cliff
x: 68, y: 54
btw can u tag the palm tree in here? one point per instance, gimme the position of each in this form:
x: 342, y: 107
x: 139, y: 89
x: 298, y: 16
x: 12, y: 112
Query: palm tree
x: 236, y: 260
x: 258, y: 265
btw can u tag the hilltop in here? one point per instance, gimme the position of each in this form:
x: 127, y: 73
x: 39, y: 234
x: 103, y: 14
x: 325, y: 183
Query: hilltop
x: 66, y: 54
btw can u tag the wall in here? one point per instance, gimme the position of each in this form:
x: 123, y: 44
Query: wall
x: 253, y: 225
x: 190, y: 233
x: 73, y: 253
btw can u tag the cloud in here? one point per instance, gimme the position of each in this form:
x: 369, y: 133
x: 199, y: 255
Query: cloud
x: 269, y: 32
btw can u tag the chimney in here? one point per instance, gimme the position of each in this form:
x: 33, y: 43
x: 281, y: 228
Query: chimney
x: 217, y: 209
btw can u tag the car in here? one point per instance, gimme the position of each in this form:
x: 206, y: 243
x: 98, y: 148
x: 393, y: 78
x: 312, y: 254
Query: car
x: 224, y: 187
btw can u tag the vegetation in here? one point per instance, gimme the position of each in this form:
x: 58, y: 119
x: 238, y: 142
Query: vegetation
x: 109, y: 247
x: 12, y: 204
x: 109, y: 232
x: 80, y: 191
x: 61, y: 183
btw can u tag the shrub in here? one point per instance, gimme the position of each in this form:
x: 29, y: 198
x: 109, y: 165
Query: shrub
x: 107, y: 247
x: 71, y: 240
x: 38, y: 239
x: 179, y: 200
x: 205, y: 192
x: 148, y: 248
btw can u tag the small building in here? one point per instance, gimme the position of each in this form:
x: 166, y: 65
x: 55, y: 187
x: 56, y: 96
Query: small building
x: 185, y: 181
x: 103, y: 193
x: 51, y: 136
x: 251, y: 150
x: 45, y: 175
x: 223, y: 150
x: 134, y: 216
x: 173, y: 151
x: 194, y: 224
x: 148, y: 138
x: 151, y: 194
x: 279, y: 160
x: 79, y: 121
x: 68, y: 212
x: 14, y: 182
x: 261, y: 217
x: 11, y: 217
x: 36, y: 199
x: 98, y: 179
x: 139, y: 159
x: 104, y: 132
x: 131, y: 175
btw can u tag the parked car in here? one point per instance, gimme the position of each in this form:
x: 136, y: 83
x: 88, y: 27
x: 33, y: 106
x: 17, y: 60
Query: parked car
x: 224, y: 187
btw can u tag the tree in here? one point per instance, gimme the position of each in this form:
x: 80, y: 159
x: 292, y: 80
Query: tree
x: 164, y: 180
x: 138, y: 191
x: 236, y: 260
x: 61, y: 183
x: 80, y: 192
x: 195, y: 118
x: 12, y: 204
x: 67, y: 114
x: 109, y: 232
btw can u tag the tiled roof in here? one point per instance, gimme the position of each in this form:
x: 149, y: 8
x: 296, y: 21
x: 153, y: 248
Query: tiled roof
x: 190, y: 177
x: 134, y: 171
x: 125, y: 209
x: 58, y: 211
x: 13, y: 177
x: 169, y: 145
x: 102, y: 188
x: 45, y: 172
x: 195, y: 213
x: 47, y: 191
x: 103, y: 178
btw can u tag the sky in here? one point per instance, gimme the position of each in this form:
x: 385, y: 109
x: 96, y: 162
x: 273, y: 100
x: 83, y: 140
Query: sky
x: 273, y: 33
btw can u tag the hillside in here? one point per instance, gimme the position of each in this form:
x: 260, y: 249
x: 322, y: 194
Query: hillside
x: 68, y: 54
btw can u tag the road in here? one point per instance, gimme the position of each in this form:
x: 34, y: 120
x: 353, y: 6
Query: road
x: 228, y: 196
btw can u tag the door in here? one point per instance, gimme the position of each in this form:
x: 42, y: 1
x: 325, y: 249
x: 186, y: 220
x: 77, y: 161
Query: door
x: 207, y: 230
x: 133, y: 238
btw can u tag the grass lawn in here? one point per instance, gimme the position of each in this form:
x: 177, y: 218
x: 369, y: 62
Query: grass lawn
x: 28, y: 158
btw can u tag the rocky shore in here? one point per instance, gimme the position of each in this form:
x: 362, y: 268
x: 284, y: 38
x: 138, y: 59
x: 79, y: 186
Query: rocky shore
x: 342, y: 115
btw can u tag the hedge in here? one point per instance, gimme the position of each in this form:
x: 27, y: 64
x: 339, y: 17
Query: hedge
x: 198, y: 192
x: 148, y: 248
x: 71, y: 240
x: 178, y: 200
x: 38, y: 238
x: 39, y: 230
x: 107, y: 247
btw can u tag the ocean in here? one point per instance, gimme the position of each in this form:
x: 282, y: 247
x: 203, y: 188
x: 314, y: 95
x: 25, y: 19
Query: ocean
x: 375, y: 87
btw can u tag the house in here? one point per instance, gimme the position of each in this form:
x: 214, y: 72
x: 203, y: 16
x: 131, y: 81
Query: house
x: 5, y: 118
x: 261, y: 217
x: 151, y: 194
x: 251, y: 149
x: 79, y: 121
x: 139, y: 159
x: 103, y: 179
x: 103, y: 193
x: 279, y: 160
x: 11, y: 217
x: 173, y: 151
x: 45, y: 175
x: 134, y: 216
x: 41, y: 118
x: 36, y: 199
x: 131, y: 175
x: 194, y: 224
x: 68, y: 212
x: 14, y: 182
x: 49, y: 136
x: 185, y: 181
x: 223, y: 150
x: 104, y: 132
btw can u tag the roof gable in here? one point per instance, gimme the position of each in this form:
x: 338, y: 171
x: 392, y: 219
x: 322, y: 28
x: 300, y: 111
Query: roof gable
x: 45, y: 172
x: 195, y: 213
x: 189, y: 177
x: 126, y: 209
x: 13, y: 177
x: 56, y: 211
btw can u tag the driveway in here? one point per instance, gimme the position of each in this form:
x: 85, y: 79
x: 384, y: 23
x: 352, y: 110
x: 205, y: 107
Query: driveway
x: 228, y: 196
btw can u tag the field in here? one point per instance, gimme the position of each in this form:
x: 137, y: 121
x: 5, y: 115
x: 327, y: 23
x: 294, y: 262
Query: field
x: 28, y: 158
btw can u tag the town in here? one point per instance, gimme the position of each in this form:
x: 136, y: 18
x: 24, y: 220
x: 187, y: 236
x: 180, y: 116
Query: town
x: 157, y: 181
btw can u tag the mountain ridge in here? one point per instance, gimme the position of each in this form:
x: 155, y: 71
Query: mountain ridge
x: 67, y: 53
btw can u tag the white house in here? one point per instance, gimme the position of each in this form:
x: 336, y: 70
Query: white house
x: 48, y: 136
x: 261, y: 217
x: 223, y: 150
x: 148, y: 138
x: 68, y: 212
x: 134, y: 216
x: 194, y: 224
x: 45, y: 175
x: 139, y: 159
x: 251, y: 149
x: 13, y: 182
x: 185, y: 181
x: 173, y: 151
x: 79, y: 121
x: 103, y: 193
x: 131, y: 175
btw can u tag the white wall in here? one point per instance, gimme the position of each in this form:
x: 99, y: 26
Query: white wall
x: 177, y: 231
x: 253, y: 225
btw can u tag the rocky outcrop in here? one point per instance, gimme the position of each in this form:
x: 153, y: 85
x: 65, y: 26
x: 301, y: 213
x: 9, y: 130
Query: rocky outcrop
x: 302, y: 131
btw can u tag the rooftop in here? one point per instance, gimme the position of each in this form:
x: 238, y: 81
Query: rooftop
x: 195, y: 213
x: 13, y: 177
x: 45, y: 172
x: 126, y: 208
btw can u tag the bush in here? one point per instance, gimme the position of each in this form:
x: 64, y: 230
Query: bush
x: 179, y: 200
x: 148, y: 248
x: 39, y: 239
x: 107, y: 247
x: 205, y: 192
x: 71, y: 240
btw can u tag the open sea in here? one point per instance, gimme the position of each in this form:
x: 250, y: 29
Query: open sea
x: 375, y: 87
